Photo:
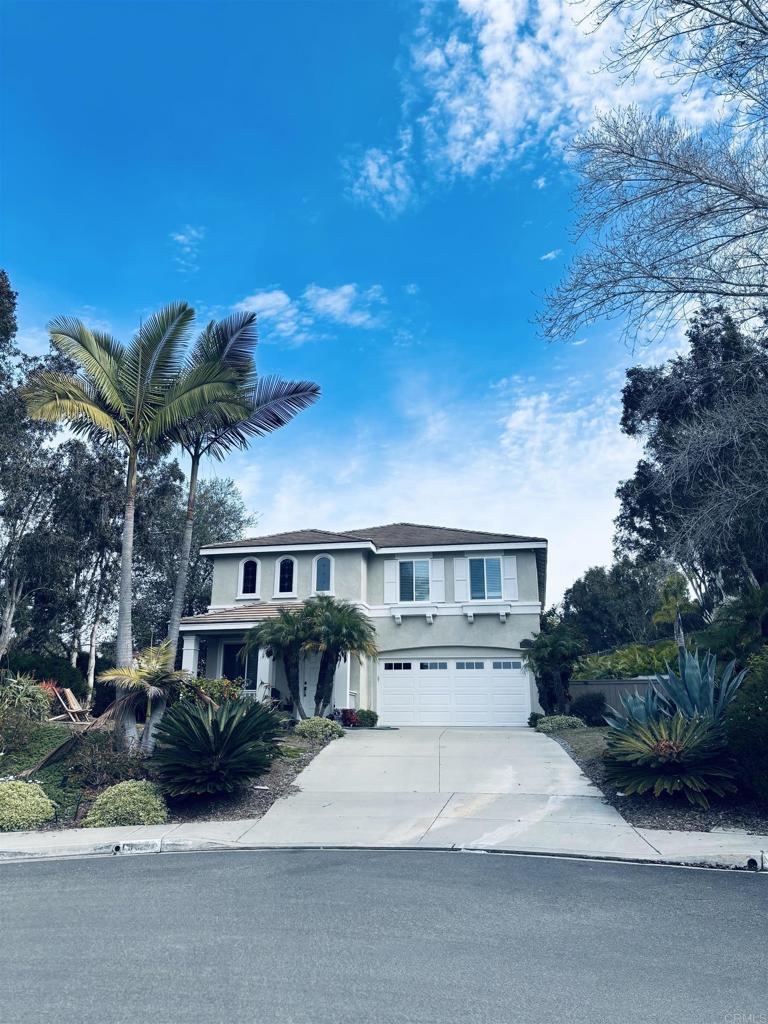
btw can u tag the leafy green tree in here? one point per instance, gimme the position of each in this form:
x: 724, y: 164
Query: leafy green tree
x: 552, y: 656
x: 337, y: 630
x: 267, y: 403
x: 135, y: 395
x: 283, y: 638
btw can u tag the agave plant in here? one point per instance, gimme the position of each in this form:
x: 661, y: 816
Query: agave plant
x: 670, y: 755
x: 696, y: 691
x: 202, y: 749
x: 639, y: 708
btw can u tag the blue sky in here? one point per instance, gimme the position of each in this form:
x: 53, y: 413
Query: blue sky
x: 384, y: 184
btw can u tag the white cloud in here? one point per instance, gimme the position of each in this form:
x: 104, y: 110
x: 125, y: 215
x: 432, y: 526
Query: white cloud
x: 187, y: 247
x: 533, y: 462
x: 300, y: 320
x: 489, y: 80
x: 382, y: 177
x: 411, y: 289
x: 551, y: 255
x: 34, y: 341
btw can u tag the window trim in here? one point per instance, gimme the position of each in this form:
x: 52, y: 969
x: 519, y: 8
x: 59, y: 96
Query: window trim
x: 332, y: 588
x: 414, y: 602
x: 256, y: 595
x: 484, y: 559
x: 281, y: 594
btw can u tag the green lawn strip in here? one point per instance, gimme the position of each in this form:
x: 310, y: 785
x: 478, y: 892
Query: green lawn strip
x: 588, y: 743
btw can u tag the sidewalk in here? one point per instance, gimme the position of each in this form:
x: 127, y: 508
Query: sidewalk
x: 702, y: 849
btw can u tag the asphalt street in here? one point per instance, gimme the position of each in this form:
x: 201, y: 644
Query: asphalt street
x: 292, y: 937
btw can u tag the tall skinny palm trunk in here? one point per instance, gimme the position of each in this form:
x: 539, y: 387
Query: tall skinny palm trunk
x: 127, y: 725
x: 329, y: 661
x: 174, y: 623
x: 292, y: 664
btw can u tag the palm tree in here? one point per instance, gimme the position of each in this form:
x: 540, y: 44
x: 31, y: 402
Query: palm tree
x: 151, y: 680
x: 266, y: 404
x: 134, y: 395
x: 551, y: 656
x: 283, y: 637
x: 337, y: 630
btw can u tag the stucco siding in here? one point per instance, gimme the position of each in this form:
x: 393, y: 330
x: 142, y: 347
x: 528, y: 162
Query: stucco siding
x: 348, y: 576
x: 455, y: 631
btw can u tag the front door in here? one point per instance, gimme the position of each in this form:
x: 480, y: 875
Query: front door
x: 233, y: 666
x: 310, y: 666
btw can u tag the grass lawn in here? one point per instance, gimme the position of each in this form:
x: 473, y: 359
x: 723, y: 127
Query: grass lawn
x: 587, y: 743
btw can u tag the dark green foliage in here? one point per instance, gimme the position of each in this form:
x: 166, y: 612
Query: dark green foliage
x: 200, y: 750
x: 97, y: 762
x: 590, y: 707
x: 551, y: 656
x: 16, y: 732
x: 217, y: 689
x: 740, y: 627
x: 534, y: 718
x: 695, y: 689
x: 558, y: 723
x: 669, y: 756
x: 367, y: 719
x: 747, y: 726
x: 48, y: 667
x: 136, y: 802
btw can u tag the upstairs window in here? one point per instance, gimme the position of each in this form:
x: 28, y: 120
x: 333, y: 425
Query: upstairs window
x: 484, y: 579
x: 414, y: 580
x: 250, y: 577
x: 323, y: 575
x: 285, y: 576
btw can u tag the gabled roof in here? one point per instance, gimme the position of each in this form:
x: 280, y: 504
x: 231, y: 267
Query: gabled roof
x: 254, y: 611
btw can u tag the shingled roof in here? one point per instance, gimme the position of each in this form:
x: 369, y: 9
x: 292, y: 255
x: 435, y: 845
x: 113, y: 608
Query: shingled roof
x: 244, y: 614
x: 391, y: 535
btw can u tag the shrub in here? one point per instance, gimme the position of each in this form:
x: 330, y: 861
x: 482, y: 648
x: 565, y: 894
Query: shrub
x: 669, y: 755
x: 24, y: 694
x: 534, y: 718
x: 557, y: 723
x: 127, y: 803
x: 626, y: 662
x: 320, y: 730
x: 96, y: 762
x: 218, y: 690
x: 200, y: 750
x: 23, y: 805
x: 747, y: 727
x: 16, y: 731
x: 367, y: 719
x: 590, y: 707
x: 349, y: 718
x: 49, y: 666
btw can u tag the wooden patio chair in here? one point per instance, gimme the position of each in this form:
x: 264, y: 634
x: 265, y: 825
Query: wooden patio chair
x: 74, y: 710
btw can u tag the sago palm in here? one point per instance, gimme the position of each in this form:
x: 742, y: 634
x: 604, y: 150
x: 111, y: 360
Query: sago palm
x: 135, y: 395
x: 283, y: 638
x: 151, y: 681
x: 337, y: 630
x: 264, y: 404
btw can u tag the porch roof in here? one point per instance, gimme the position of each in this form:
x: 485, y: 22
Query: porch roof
x: 243, y: 615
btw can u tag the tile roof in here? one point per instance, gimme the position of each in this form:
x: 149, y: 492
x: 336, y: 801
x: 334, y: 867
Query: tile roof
x: 254, y: 611
x: 389, y: 535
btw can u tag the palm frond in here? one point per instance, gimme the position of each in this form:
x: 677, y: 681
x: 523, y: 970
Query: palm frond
x: 230, y: 341
x: 155, y: 356
x: 55, y: 397
x: 99, y: 354
x: 272, y: 403
x: 208, y: 389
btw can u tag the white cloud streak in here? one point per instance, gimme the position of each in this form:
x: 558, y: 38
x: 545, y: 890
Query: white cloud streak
x: 187, y: 243
x: 551, y: 255
x: 306, y: 318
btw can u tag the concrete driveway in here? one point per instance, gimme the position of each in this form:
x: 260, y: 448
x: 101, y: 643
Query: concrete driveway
x: 448, y: 788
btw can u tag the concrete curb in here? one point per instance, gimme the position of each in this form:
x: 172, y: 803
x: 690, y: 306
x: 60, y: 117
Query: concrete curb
x: 747, y: 857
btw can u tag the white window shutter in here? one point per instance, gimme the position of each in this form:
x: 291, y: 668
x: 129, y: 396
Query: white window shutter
x: 510, y: 578
x: 461, y: 579
x: 391, y: 581
x: 437, y: 589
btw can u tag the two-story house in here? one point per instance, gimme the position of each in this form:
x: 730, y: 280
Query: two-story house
x: 451, y: 609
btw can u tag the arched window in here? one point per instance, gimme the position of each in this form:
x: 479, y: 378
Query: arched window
x: 285, y: 576
x: 323, y: 574
x: 249, y: 581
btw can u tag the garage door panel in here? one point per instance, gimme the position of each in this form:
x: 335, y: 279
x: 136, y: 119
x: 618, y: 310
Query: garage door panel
x: 454, y: 696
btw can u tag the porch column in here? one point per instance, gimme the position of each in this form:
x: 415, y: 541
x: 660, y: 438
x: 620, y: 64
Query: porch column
x: 190, y: 653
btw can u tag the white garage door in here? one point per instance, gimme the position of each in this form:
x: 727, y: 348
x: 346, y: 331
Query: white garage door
x: 465, y: 691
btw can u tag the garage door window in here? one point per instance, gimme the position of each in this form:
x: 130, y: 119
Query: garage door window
x: 508, y: 666
x: 433, y: 665
x: 397, y: 666
x: 484, y: 579
x: 470, y: 664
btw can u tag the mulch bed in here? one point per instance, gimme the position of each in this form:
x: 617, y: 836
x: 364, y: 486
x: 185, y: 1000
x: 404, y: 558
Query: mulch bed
x: 255, y: 798
x: 736, y: 812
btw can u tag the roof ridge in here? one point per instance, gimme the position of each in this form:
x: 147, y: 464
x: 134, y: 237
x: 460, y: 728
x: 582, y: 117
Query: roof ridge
x: 446, y: 529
